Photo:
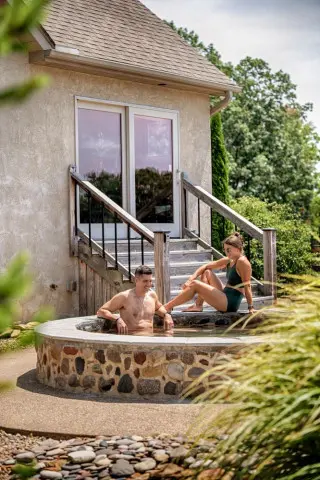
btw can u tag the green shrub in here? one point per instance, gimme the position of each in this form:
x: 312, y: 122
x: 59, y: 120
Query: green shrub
x: 315, y: 214
x: 293, y: 235
x: 271, y: 427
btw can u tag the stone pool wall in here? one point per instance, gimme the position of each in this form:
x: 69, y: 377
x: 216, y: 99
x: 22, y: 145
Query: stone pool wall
x: 114, y: 370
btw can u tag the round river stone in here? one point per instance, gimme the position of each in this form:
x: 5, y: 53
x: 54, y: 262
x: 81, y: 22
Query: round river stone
x: 105, y: 384
x: 100, y: 356
x: 80, y: 365
x: 125, y: 384
x: 195, y: 372
x: 148, y: 387
x: 175, y: 371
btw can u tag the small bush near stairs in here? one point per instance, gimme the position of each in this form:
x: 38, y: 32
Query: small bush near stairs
x: 293, y: 235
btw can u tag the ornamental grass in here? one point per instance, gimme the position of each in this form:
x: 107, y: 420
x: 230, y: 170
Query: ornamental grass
x: 270, y: 428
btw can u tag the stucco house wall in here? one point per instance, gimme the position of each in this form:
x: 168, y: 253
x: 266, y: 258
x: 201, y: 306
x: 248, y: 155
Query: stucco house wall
x: 37, y: 144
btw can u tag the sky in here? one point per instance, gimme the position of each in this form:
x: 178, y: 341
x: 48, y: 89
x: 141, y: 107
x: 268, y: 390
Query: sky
x: 285, y: 33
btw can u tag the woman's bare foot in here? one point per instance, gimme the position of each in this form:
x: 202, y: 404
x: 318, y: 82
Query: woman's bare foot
x: 193, y: 308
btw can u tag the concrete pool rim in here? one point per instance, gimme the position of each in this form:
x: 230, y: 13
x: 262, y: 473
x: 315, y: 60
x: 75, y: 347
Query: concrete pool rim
x: 67, y: 329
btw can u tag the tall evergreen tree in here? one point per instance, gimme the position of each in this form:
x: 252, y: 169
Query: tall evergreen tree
x: 220, y: 178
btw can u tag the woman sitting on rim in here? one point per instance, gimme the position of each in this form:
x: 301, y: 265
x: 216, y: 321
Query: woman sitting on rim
x: 211, y: 289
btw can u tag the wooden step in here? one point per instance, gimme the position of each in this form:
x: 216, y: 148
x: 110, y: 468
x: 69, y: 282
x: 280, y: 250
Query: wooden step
x: 175, y: 291
x: 176, y: 281
x: 176, y: 256
x: 258, y: 302
x: 135, y: 245
x: 178, y: 268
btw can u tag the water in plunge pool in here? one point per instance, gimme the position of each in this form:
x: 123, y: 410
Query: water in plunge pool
x: 196, y: 332
x: 179, y: 331
x: 201, y: 332
x: 185, y: 332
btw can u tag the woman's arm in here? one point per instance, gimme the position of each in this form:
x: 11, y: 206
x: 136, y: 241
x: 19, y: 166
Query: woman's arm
x: 162, y: 312
x: 245, y: 271
x: 221, y: 263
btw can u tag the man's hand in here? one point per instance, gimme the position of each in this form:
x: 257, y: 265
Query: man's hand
x: 168, y: 322
x: 122, y: 328
x: 168, y: 333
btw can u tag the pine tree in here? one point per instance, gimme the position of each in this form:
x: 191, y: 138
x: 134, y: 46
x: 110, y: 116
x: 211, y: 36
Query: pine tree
x: 220, y: 179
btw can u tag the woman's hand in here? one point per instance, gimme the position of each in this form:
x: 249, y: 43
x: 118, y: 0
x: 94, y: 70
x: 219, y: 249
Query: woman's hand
x: 187, y: 283
x: 122, y: 328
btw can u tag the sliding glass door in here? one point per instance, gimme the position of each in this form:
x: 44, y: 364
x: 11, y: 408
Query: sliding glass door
x: 131, y: 155
x: 101, y: 161
x: 154, y: 169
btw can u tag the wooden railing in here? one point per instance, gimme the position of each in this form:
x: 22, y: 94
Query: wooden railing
x: 159, y: 240
x: 266, y: 236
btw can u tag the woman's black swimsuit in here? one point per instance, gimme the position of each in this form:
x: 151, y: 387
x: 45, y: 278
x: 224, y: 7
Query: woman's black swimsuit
x: 234, y: 297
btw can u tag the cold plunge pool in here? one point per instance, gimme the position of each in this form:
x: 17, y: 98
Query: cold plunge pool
x: 76, y: 356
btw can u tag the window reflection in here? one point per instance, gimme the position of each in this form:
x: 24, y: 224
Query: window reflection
x: 100, y: 155
x: 153, y: 169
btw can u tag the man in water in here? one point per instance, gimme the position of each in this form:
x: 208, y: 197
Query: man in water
x: 136, y: 307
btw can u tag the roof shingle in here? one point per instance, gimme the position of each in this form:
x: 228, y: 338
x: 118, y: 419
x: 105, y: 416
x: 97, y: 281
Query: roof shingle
x: 127, y: 32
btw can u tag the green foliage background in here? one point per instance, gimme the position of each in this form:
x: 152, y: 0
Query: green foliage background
x: 293, y: 235
x: 273, y: 150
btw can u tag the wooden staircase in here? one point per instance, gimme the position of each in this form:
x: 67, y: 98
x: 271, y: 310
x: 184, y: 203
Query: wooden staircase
x: 106, y: 266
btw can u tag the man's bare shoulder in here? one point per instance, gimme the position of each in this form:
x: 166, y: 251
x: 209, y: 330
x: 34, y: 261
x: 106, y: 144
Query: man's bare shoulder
x: 127, y: 292
x: 153, y: 295
x: 122, y: 296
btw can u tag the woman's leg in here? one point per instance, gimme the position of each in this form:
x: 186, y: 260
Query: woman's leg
x: 210, y: 278
x: 211, y: 295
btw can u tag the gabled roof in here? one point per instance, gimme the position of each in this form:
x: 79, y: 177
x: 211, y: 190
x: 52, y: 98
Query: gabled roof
x: 130, y: 36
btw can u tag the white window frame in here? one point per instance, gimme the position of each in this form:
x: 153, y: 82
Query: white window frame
x: 128, y: 111
x: 175, y: 167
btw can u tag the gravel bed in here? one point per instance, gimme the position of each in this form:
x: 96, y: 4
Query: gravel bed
x: 104, y: 458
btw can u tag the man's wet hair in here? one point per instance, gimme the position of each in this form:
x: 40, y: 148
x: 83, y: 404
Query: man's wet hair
x: 143, y: 270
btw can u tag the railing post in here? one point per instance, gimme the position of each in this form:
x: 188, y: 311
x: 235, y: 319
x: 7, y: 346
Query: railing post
x: 162, y: 265
x: 72, y: 214
x: 183, y: 205
x: 270, y: 261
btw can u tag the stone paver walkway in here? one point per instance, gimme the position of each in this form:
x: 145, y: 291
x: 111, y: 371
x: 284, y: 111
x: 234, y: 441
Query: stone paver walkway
x: 30, y: 406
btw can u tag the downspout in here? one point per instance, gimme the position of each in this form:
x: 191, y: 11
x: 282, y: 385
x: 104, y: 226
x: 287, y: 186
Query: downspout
x: 222, y: 104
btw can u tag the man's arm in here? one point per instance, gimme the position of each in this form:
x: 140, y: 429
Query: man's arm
x: 162, y: 312
x: 113, y: 305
